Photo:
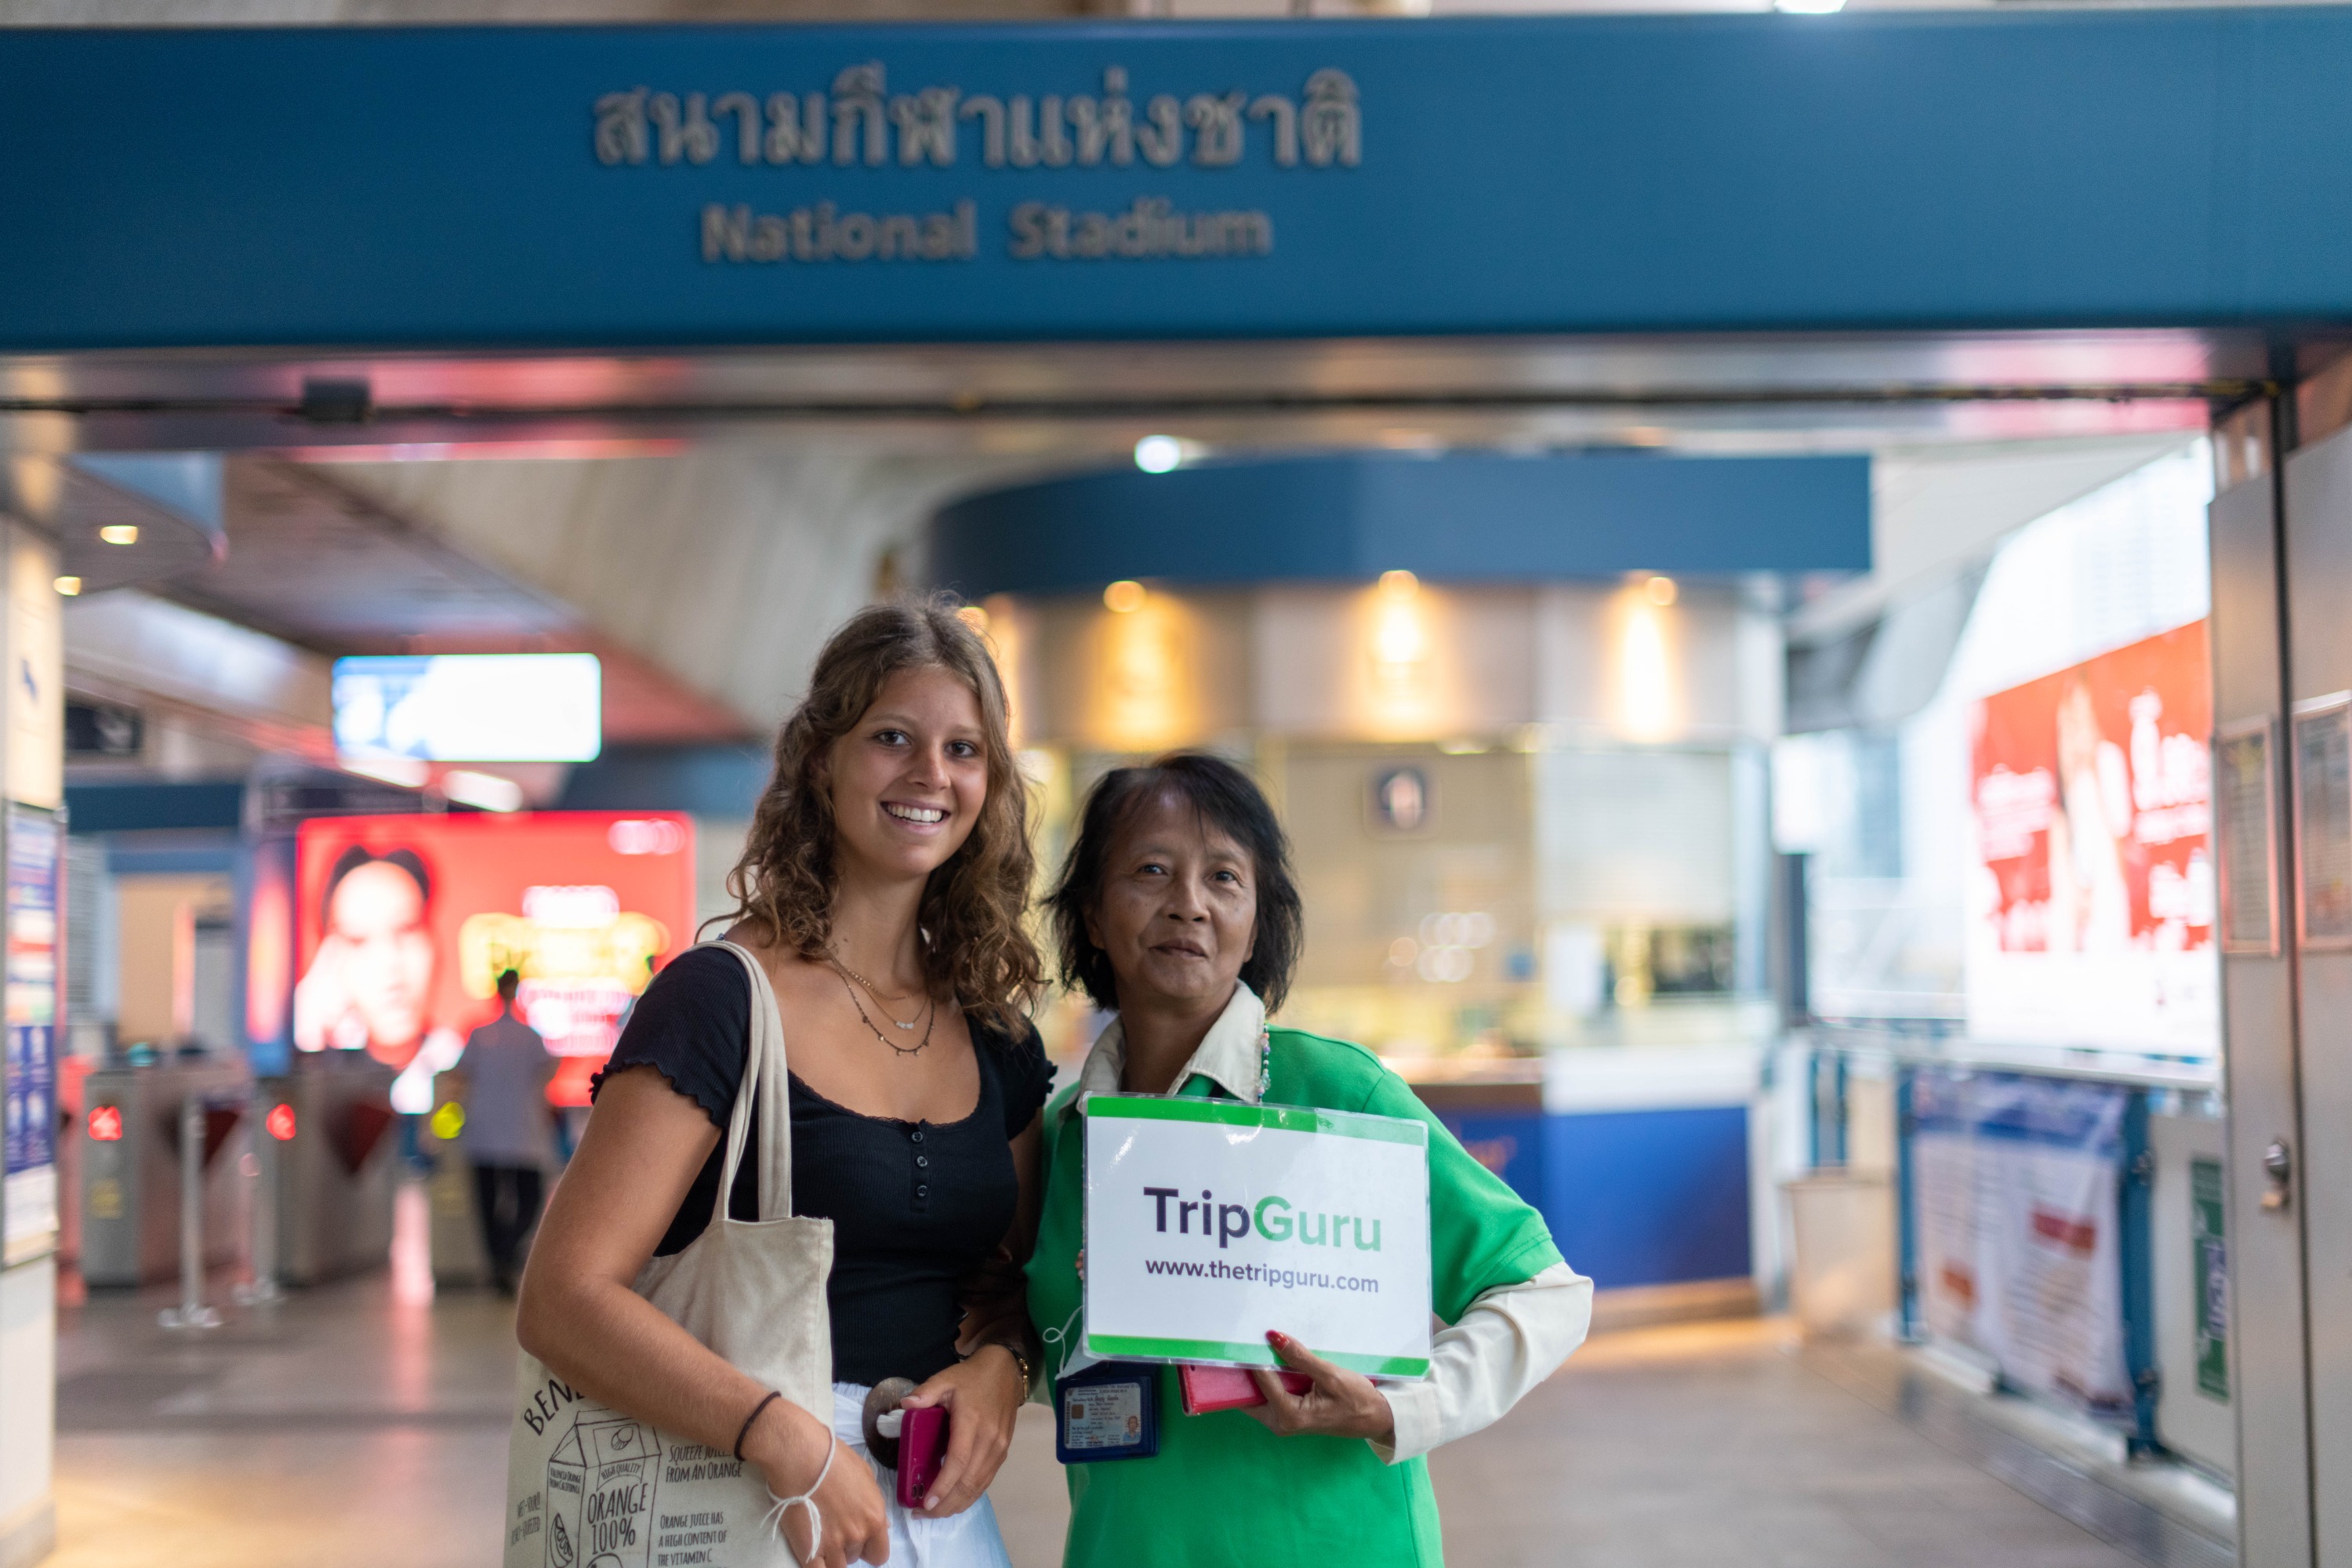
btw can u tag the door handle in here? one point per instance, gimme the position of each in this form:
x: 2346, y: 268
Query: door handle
x: 2278, y: 1165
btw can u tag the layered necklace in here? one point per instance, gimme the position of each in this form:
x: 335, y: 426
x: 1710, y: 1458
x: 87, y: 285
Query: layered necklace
x: 927, y: 1017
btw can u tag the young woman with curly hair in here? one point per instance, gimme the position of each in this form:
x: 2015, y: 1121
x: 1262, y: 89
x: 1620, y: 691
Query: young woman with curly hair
x: 881, y: 892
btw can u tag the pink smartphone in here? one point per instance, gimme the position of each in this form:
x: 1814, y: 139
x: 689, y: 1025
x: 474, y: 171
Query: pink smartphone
x: 923, y: 1446
x: 1211, y: 1388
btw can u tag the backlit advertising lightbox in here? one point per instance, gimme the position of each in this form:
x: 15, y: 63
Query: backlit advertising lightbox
x: 469, y: 706
x: 2092, y: 898
x: 404, y: 924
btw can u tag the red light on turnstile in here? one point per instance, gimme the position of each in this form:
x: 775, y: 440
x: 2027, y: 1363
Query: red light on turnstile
x: 106, y: 1123
x: 280, y: 1122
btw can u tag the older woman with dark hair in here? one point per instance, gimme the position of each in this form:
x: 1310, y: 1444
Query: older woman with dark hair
x: 1178, y: 909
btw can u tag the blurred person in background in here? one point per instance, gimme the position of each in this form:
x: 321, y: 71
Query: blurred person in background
x: 507, y: 1123
x: 1177, y: 908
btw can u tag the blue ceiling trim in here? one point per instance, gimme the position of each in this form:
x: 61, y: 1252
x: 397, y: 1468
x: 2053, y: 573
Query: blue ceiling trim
x: 719, y: 782
x: 1461, y: 518
x: 131, y: 807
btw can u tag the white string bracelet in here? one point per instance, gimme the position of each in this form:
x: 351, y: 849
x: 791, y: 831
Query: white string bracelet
x: 774, y: 1518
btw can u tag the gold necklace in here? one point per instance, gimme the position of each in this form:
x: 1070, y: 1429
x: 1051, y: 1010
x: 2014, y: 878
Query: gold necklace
x: 882, y: 999
x: 916, y: 1048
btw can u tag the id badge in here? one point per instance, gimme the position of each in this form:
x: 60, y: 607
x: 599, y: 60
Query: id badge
x: 1109, y: 1410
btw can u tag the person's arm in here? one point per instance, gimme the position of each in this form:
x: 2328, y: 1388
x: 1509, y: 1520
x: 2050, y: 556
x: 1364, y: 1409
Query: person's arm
x: 1512, y: 1338
x: 644, y: 1145
x: 1530, y: 1310
x: 983, y: 1392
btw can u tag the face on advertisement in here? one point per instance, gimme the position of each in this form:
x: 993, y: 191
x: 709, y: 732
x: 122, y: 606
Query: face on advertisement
x: 1177, y: 912
x: 909, y: 780
x: 376, y: 925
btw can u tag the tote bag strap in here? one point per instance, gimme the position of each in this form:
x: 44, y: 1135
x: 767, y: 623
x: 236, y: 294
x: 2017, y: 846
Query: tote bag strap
x: 766, y: 1084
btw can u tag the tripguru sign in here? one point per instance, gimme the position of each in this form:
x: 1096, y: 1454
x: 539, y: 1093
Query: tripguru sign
x: 1208, y: 1221
x: 551, y: 188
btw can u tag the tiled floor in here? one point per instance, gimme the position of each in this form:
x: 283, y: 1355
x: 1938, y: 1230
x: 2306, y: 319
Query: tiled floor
x: 346, y: 1427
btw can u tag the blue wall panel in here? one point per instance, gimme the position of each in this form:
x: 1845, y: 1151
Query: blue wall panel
x: 1649, y: 1198
x: 1510, y: 1144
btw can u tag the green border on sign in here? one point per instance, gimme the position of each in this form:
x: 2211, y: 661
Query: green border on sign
x: 1280, y: 1118
x: 1242, y: 1352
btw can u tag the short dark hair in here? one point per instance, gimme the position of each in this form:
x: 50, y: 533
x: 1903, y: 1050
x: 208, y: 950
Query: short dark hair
x: 1228, y: 800
x: 359, y: 854
x: 509, y: 981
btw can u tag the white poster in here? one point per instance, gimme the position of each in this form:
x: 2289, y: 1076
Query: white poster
x: 2092, y: 895
x: 2016, y: 1189
x: 1208, y: 1223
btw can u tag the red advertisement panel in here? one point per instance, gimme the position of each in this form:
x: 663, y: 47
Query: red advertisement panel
x: 406, y: 922
x: 2093, y: 896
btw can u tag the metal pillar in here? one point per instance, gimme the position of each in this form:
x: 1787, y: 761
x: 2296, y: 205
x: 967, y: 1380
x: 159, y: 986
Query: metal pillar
x: 191, y: 1312
x: 2254, y: 844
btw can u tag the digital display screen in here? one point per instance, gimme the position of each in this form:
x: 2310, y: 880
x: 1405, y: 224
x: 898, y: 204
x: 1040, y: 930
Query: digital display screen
x: 404, y: 924
x: 470, y: 707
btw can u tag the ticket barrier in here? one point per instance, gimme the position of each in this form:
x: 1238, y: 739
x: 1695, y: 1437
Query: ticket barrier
x: 135, y: 1121
x: 330, y: 1156
x: 460, y: 1258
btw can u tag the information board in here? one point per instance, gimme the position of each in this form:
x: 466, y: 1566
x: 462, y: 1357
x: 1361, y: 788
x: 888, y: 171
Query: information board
x: 1208, y: 1223
x: 29, y: 1225
x: 2323, y: 821
x: 2244, y: 810
x: 2016, y: 1184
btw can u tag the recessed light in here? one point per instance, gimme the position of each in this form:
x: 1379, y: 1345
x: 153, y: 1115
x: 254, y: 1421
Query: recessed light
x: 69, y: 586
x: 120, y: 534
x: 1123, y: 597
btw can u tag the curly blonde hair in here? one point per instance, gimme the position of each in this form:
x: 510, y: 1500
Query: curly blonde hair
x: 975, y: 945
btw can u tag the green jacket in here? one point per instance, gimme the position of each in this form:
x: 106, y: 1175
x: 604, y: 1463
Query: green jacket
x: 1223, y: 1489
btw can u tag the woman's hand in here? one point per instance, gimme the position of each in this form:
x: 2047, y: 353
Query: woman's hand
x: 789, y: 1447
x: 1342, y: 1403
x: 981, y: 1395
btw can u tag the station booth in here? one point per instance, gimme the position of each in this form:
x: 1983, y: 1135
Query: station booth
x: 1498, y: 395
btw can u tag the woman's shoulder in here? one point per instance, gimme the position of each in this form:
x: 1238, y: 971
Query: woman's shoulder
x: 691, y: 1026
x: 709, y: 969
x: 1320, y: 1053
x: 1339, y: 1074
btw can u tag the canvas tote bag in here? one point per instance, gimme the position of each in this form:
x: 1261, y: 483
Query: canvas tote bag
x: 591, y: 1487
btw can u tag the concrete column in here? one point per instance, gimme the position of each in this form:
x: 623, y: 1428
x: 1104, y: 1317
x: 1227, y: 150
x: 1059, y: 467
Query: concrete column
x: 32, y: 760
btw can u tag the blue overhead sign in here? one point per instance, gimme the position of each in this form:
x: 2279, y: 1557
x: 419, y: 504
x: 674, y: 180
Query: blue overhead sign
x: 581, y: 187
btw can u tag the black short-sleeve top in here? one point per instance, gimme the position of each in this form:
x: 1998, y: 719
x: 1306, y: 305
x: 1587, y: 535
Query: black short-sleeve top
x: 915, y: 1206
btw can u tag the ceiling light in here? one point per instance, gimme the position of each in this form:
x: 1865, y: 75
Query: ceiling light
x: 1123, y: 597
x: 69, y: 586
x: 120, y: 534
x: 1662, y: 590
x: 1398, y: 585
x: 488, y: 790
x: 1159, y: 454
x: 1809, y: 8
x: 973, y: 617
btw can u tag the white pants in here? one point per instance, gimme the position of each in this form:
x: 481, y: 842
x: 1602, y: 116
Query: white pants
x: 967, y: 1539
